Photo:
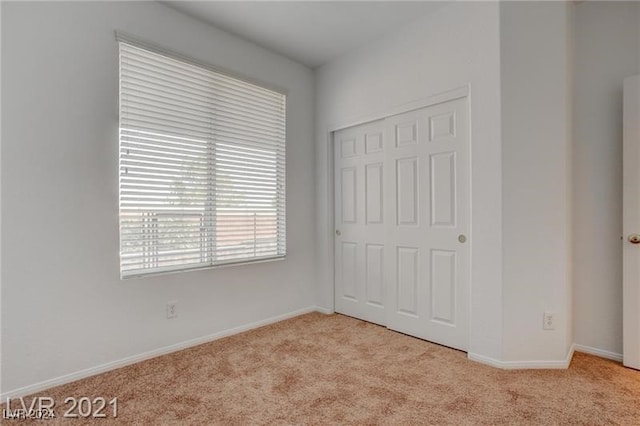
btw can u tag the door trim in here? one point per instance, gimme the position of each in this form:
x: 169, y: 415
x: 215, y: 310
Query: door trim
x: 630, y: 207
x: 438, y: 98
x: 435, y: 99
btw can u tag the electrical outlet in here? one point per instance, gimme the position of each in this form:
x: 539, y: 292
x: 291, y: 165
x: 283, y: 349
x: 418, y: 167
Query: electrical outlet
x: 172, y: 309
x: 549, y: 321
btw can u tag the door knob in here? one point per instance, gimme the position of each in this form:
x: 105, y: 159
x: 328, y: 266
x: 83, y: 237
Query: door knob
x: 462, y: 238
x: 634, y: 239
x: 338, y: 233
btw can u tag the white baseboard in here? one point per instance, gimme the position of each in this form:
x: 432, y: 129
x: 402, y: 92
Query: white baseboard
x: 326, y: 311
x: 72, y: 377
x: 492, y: 362
x: 527, y: 365
x: 599, y: 352
x: 68, y: 378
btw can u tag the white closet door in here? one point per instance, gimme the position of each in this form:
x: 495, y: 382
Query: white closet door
x: 426, y: 236
x: 359, y: 219
x: 402, y: 220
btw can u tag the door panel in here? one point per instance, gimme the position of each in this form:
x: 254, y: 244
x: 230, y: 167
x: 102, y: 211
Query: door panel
x: 406, y: 192
x: 375, y: 274
x: 443, y: 286
x: 407, y: 281
x: 349, y: 270
x: 443, y: 189
x: 373, y: 193
x: 349, y: 190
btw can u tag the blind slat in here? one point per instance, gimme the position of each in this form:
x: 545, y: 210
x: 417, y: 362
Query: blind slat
x: 202, y: 109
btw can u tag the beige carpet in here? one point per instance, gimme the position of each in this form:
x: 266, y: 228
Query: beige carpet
x: 318, y: 369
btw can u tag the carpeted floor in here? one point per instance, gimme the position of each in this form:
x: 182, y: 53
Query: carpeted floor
x: 319, y: 369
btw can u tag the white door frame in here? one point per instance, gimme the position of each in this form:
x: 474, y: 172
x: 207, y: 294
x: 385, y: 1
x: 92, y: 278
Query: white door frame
x: 631, y: 210
x: 438, y: 98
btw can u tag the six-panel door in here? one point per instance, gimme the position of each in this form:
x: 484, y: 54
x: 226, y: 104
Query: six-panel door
x: 359, y: 216
x: 402, y: 211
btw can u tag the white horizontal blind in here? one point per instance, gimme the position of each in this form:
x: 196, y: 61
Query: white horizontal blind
x: 202, y: 166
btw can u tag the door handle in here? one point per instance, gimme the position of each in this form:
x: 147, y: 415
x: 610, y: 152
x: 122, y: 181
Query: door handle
x: 338, y: 233
x: 634, y: 239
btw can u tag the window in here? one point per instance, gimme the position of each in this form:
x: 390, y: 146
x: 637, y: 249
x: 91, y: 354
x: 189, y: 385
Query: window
x: 202, y: 166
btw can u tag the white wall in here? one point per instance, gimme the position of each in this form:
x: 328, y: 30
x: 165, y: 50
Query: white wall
x: 536, y: 177
x: 607, y: 50
x: 455, y: 46
x: 64, y: 308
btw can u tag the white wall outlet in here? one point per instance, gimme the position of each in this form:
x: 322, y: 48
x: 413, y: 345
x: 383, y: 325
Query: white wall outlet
x: 549, y: 321
x: 172, y: 309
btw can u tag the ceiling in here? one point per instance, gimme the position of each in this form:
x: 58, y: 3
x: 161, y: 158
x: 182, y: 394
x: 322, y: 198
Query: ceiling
x: 309, y: 32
